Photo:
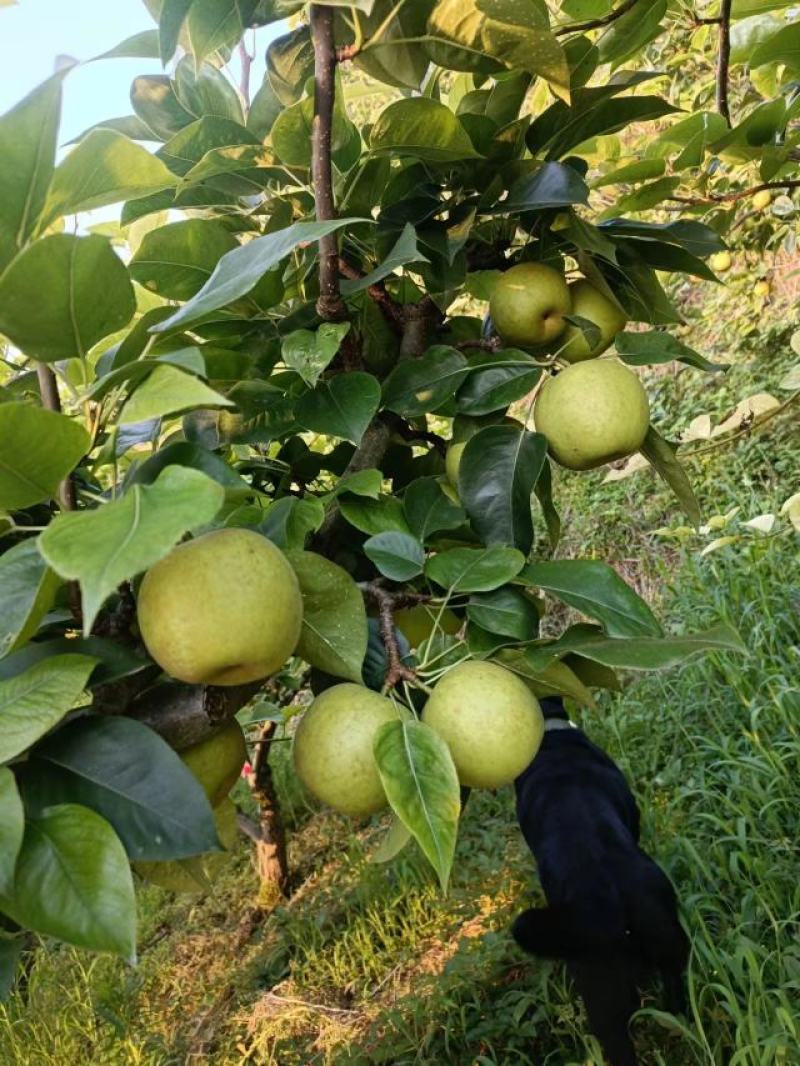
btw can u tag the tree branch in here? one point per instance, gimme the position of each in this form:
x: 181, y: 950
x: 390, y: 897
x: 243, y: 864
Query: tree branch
x: 387, y: 603
x: 596, y: 24
x: 330, y: 305
x: 186, y: 714
x: 723, y: 60
x: 246, y: 60
x: 392, y: 311
x: 486, y: 344
x: 739, y: 194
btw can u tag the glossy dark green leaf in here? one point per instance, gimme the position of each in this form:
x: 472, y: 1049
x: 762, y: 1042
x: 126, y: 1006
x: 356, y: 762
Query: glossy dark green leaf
x: 628, y: 34
x: 506, y: 611
x: 166, y: 391
x: 643, y: 198
x: 310, y: 351
x: 421, y: 784
x: 176, y: 261
x: 474, y: 569
x: 596, y: 589
x: 290, y: 61
x: 421, y: 127
x: 544, y: 494
x: 289, y: 521
x: 12, y: 827
x: 216, y: 24
x: 27, y: 591
x: 341, y: 407
x: 374, y: 516
x: 28, y: 140
x: 112, y: 660
x: 125, y: 771
x: 695, y: 237
x: 111, y: 544
x: 398, y: 556
x: 502, y: 378
x: 416, y: 386
x: 334, y: 633
x: 187, y: 453
x: 155, y: 102
x: 552, y: 185
x: 661, y: 454
x: 499, y: 468
x: 428, y: 510
x: 78, y: 311
x: 239, y: 270
x: 33, y: 702
x: 606, y: 117
x: 39, y: 449
x: 73, y: 882
x: 404, y: 251
x: 658, y: 346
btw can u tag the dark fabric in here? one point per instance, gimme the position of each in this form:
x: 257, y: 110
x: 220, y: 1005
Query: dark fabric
x: 612, y: 913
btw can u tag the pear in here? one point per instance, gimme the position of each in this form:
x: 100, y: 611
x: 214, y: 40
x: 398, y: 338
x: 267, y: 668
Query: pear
x: 489, y: 719
x: 720, y: 262
x: 528, y: 304
x: 333, y: 748
x: 222, y: 609
x: 217, y: 761
x: 418, y: 622
x: 589, y: 303
x: 592, y: 413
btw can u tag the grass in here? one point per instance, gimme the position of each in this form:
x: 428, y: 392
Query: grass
x: 368, y: 964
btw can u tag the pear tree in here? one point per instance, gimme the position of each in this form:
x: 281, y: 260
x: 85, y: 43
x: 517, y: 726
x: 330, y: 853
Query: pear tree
x: 289, y: 434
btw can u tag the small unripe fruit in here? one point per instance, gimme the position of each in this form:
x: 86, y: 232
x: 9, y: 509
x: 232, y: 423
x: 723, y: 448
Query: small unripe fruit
x: 592, y: 413
x: 720, y: 262
x: 217, y: 761
x: 222, y: 609
x: 762, y: 199
x: 528, y: 304
x: 489, y: 719
x: 333, y: 748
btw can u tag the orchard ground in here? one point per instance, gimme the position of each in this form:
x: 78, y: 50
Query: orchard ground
x: 368, y: 964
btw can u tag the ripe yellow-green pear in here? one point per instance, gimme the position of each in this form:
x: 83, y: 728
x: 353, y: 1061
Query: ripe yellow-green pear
x: 592, y: 413
x: 223, y: 609
x: 417, y: 623
x: 195, y: 874
x: 589, y: 303
x: 528, y: 304
x: 720, y: 262
x: 333, y: 748
x: 217, y: 761
x: 761, y: 288
x: 762, y: 199
x: 489, y: 719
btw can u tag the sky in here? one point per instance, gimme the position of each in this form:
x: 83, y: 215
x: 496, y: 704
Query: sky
x: 33, y: 33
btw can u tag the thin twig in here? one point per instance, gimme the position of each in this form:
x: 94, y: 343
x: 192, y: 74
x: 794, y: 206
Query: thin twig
x: 596, y: 24
x: 330, y: 305
x: 387, y: 603
x: 391, y: 310
x: 739, y: 194
x: 486, y: 344
x: 724, y: 59
x: 747, y: 427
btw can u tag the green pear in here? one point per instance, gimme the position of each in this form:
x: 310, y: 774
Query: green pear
x: 590, y: 303
x: 333, y: 748
x: 592, y: 413
x: 489, y: 719
x: 197, y: 873
x: 720, y: 262
x: 418, y: 622
x: 528, y: 304
x: 222, y: 609
x: 217, y: 761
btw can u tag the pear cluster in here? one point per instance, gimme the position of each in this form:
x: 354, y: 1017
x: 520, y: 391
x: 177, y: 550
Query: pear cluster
x: 487, y: 716
x: 592, y: 411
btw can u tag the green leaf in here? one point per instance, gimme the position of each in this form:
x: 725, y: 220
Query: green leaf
x: 496, y: 477
x: 334, y: 633
x: 422, y: 127
x: 474, y: 569
x: 33, y: 702
x: 416, y: 386
x: 104, y: 168
x: 428, y: 510
x: 660, y: 453
x: 597, y: 590
x: 77, y: 311
x: 421, y: 784
x: 38, y: 448
x: 603, y: 118
x: 404, y: 251
x: 544, y: 494
x: 505, y: 611
x: 170, y: 23
x: 215, y: 24
x: 142, y: 45
x: 176, y: 261
x: 113, y: 661
x: 289, y: 521
x: 393, y: 843
x: 398, y: 556
x: 12, y: 827
x: 782, y: 47
x: 239, y: 270
x: 204, y: 90
x: 156, y: 103
x: 341, y: 407
x: 502, y: 378
x: 128, y: 774
x: 73, y: 882
x: 187, y: 453
x: 643, y: 198
x: 632, y: 31
x: 290, y: 61
x: 309, y: 352
x: 290, y: 136
x: 28, y: 140
x: 552, y: 185
x: 556, y: 679
x: 646, y: 653
x: 657, y: 346
x: 27, y: 591
x: 167, y: 390
x: 374, y: 516
x: 109, y: 545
